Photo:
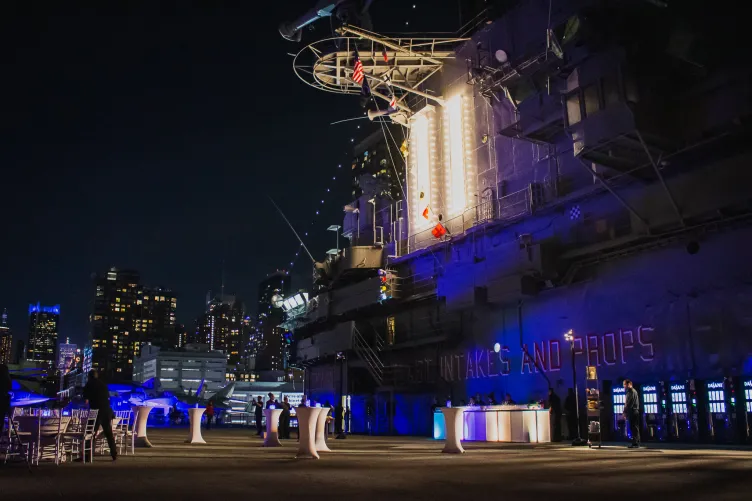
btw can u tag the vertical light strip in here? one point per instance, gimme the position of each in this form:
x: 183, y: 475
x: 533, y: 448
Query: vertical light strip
x: 422, y: 166
x: 471, y: 174
x: 454, y: 156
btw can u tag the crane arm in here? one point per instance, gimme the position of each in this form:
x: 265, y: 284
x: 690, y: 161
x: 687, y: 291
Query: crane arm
x: 324, y: 8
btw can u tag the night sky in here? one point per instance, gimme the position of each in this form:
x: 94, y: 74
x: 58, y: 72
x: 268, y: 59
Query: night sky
x: 148, y: 135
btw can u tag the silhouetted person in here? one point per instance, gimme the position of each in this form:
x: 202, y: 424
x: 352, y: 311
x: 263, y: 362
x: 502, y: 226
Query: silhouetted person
x: 209, y: 414
x: 6, y: 386
x: 434, y: 405
x: 284, y: 418
x: 492, y: 399
x: 97, y: 396
x: 570, y: 407
x: 554, y: 404
x: 258, y: 412
x: 508, y: 400
x: 271, y: 403
x: 632, y: 412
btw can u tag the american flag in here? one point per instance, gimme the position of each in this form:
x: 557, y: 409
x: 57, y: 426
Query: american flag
x: 358, y: 75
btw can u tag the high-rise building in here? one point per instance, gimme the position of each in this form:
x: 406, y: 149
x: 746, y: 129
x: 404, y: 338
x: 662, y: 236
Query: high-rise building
x: 127, y: 316
x: 272, y: 348
x: 43, y: 332
x: 113, y: 337
x: 66, y: 356
x: 6, y: 340
x: 19, y: 352
x: 222, y: 328
x: 277, y: 283
x: 182, y: 335
x: 155, y: 317
x: 86, y: 362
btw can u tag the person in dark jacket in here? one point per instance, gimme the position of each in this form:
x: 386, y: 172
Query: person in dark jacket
x: 259, y: 413
x: 284, y: 418
x: 272, y: 402
x: 632, y: 412
x: 97, y: 396
x: 570, y: 407
x: 492, y: 399
x: 554, y: 404
x: 6, y: 386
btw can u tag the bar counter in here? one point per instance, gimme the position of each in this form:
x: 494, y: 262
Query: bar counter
x: 499, y: 423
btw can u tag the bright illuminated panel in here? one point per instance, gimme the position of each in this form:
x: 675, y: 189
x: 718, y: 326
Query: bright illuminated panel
x: 454, y: 156
x: 423, y: 178
x: 459, y: 168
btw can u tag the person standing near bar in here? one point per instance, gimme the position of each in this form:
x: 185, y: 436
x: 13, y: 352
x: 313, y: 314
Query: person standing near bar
x: 259, y: 412
x: 284, y: 418
x: 271, y: 403
x: 632, y: 412
x: 97, y: 395
x: 554, y: 404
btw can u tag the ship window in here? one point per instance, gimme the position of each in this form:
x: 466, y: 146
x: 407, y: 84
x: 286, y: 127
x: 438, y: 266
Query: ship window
x: 592, y: 103
x: 574, y: 115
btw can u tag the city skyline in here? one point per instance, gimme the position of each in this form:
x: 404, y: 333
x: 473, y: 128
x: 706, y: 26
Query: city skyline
x: 140, y: 170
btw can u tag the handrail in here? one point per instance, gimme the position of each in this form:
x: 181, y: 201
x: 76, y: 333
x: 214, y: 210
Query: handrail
x: 367, y: 354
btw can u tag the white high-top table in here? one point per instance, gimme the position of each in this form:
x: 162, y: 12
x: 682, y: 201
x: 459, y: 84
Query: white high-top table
x: 194, y: 415
x: 453, y: 416
x: 321, y: 431
x: 271, y: 439
x: 142, y: 414
x: 307, y: 417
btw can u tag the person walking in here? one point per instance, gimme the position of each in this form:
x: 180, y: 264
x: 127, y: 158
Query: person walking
x: 97, y: 396
x: 259, y: 413
x: 554, y: 404
x: 284, y: 418
x: 6, y: 386
x: 632, y: 412
x: 209, y: 414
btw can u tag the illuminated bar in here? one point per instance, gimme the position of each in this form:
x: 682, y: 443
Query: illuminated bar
x: 500, y: 423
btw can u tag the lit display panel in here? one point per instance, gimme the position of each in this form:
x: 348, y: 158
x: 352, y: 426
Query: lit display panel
x: 619, y: 400
x: 716, y: 397
x: 650, y: 399
x: 748, y: 394
x: 679, y: 399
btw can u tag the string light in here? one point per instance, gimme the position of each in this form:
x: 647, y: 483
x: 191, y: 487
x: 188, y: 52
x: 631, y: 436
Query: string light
x: 318, y: 212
